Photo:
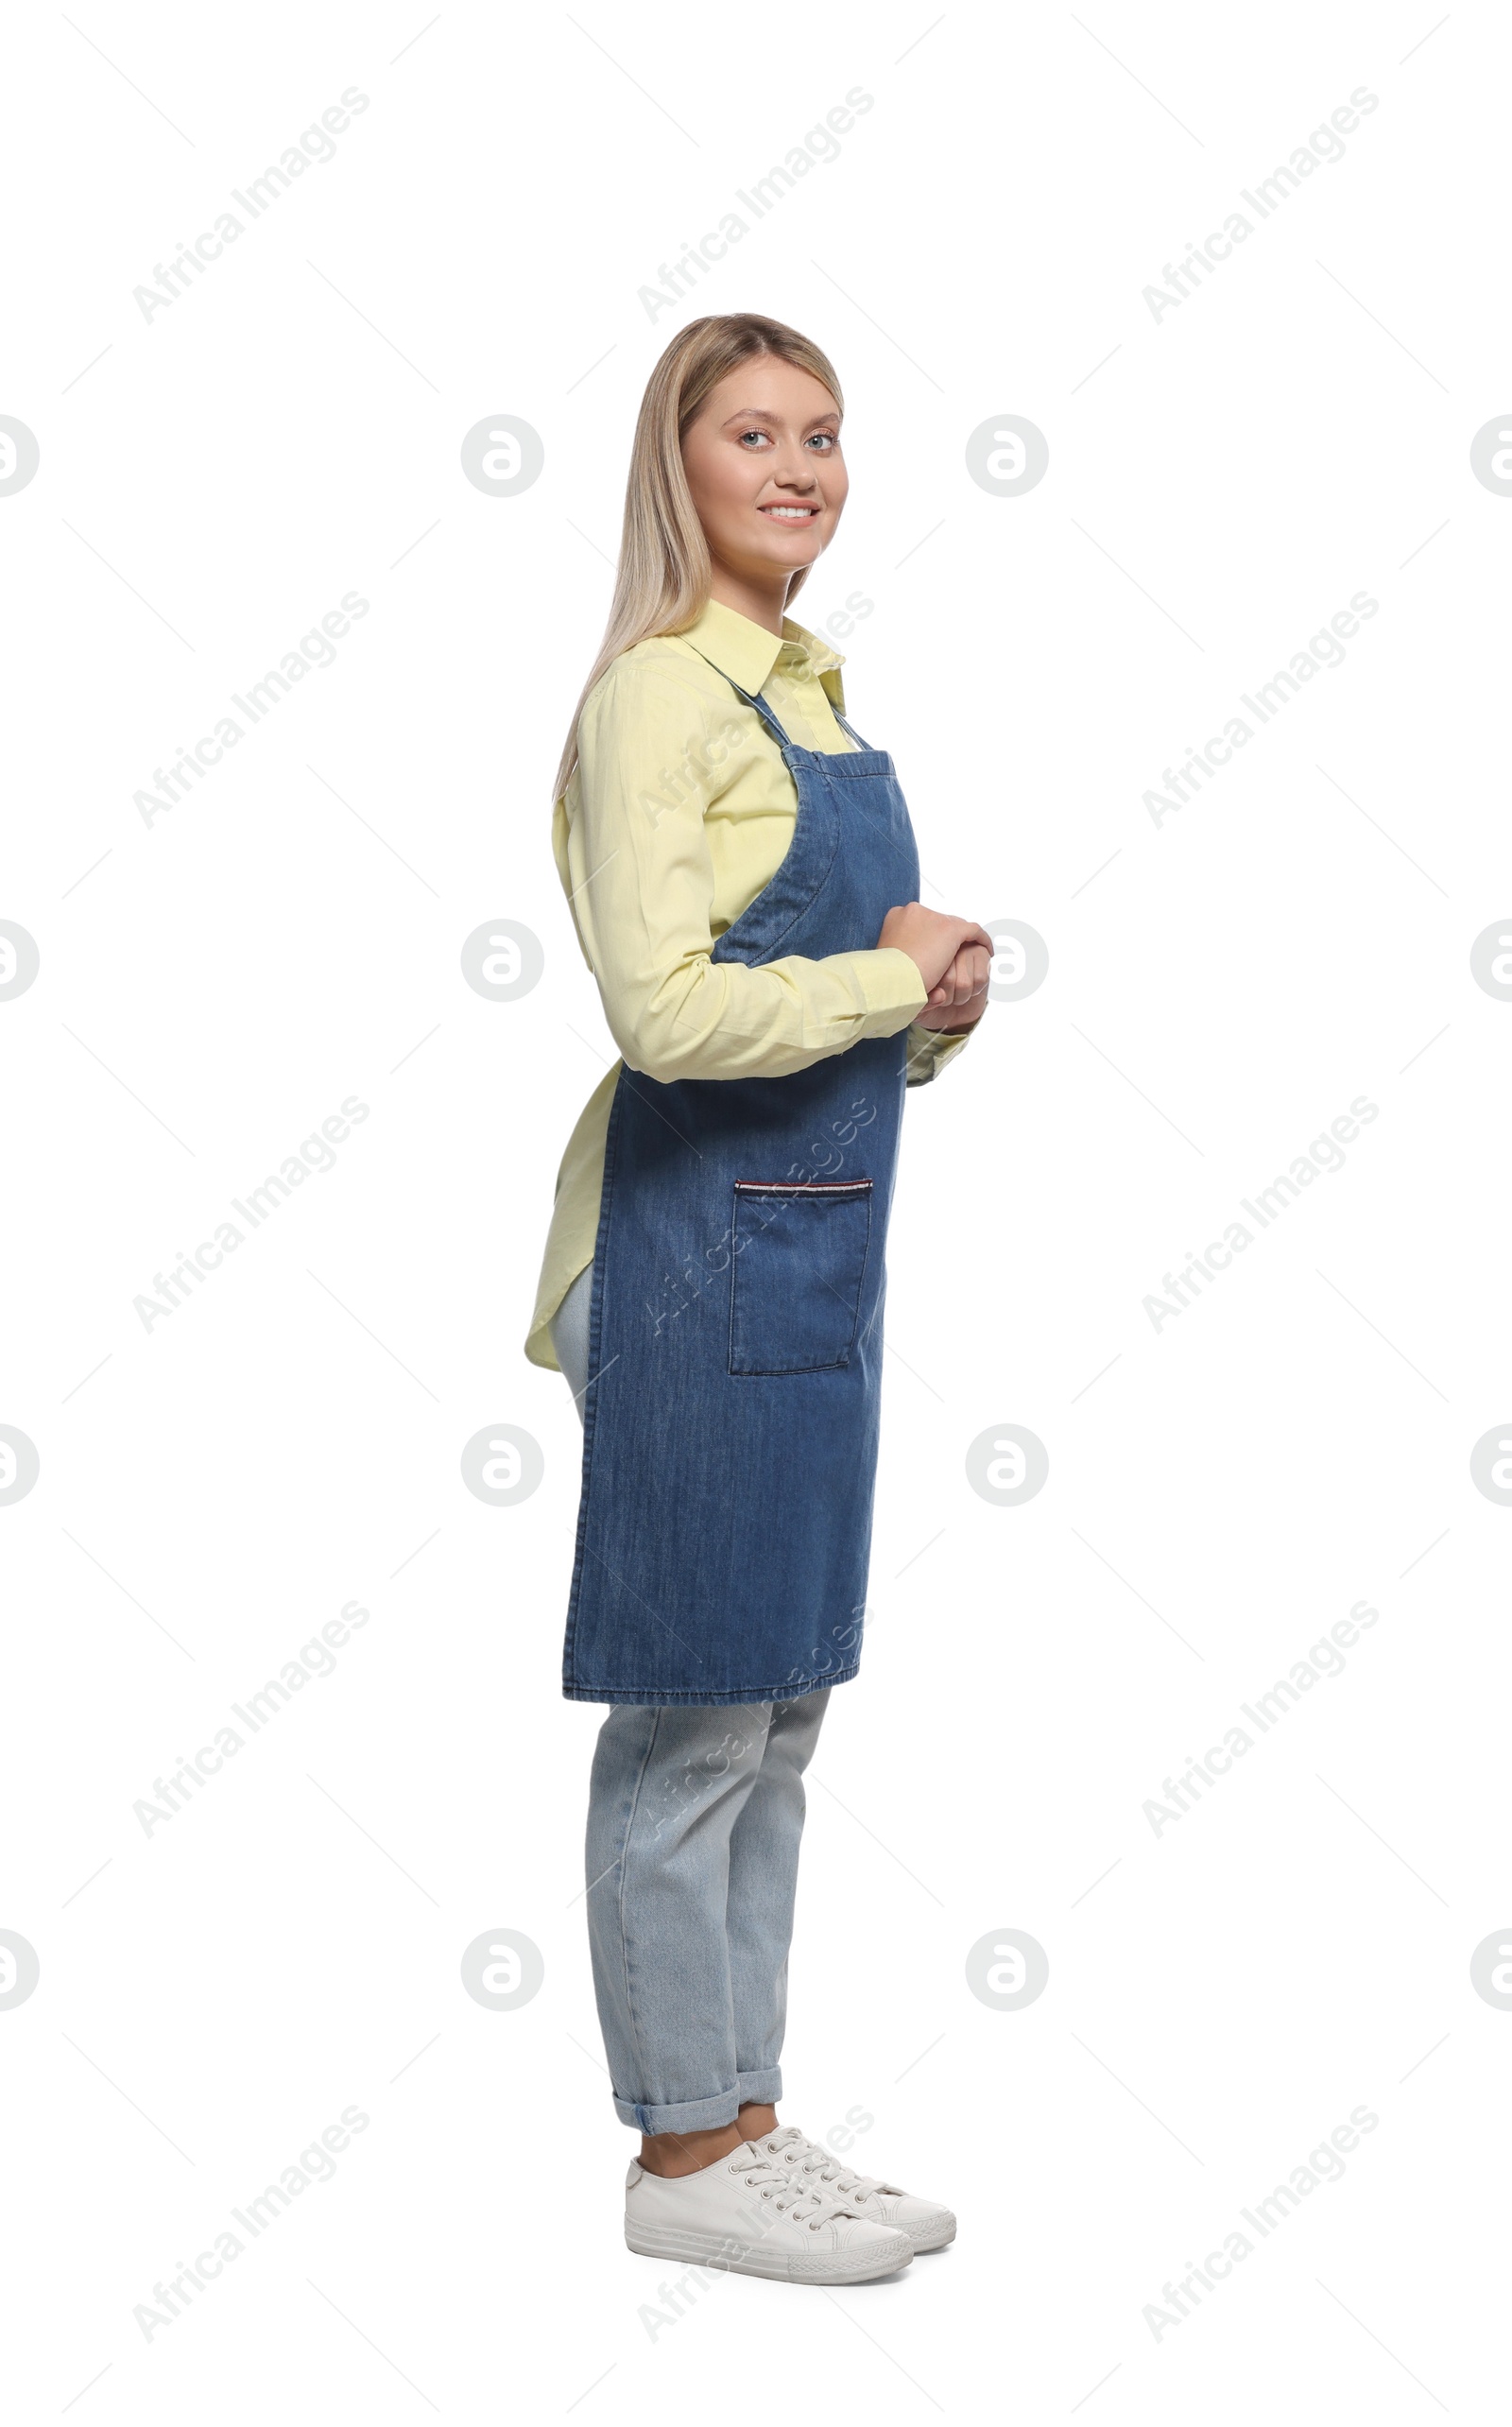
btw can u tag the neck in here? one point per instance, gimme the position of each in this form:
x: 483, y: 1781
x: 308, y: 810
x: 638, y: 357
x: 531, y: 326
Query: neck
x: 760, y: 603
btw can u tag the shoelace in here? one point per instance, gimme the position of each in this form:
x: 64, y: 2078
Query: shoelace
x: 798, y: 2201
x: 792, y: 2148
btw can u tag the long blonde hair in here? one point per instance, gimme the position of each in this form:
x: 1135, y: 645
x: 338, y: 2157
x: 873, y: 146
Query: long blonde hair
x: 662, y: 581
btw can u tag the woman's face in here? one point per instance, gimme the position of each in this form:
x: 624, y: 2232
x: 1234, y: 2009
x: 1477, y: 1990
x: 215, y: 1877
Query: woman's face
x: 764, y: 471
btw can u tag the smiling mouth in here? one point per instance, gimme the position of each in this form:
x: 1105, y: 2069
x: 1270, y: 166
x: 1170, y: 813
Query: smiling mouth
x: 791, y: 513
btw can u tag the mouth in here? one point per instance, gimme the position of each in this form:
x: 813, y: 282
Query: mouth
x: 791, y: 513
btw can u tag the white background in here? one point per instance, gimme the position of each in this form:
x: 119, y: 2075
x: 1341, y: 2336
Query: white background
x: 1221, y: 1491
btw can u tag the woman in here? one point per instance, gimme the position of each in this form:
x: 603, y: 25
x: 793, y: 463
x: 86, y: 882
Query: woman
x: 742, y: 875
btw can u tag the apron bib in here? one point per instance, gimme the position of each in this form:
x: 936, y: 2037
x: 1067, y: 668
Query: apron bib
x: 734, y: 1364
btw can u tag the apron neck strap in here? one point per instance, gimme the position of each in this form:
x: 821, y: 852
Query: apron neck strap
x: 754, y: 700
x: 846, y: 727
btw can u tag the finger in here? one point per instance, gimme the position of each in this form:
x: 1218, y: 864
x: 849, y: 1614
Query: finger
x: 970, y: 973
x: 976, y: 966
x: 972, y: 967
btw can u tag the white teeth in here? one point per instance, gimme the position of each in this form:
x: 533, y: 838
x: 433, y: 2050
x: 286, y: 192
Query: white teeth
x: 791, y: 513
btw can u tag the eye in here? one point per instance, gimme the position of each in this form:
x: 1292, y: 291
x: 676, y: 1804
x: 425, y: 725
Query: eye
x: 828, y: 440
x: 747, y: 435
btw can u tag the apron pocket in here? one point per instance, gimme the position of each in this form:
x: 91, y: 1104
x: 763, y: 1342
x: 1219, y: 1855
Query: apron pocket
x: 800, y: 1260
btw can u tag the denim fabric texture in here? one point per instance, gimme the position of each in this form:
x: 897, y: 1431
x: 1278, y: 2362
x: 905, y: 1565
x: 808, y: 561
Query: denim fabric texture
x: 693, y: 1822
x: 732, y: 1404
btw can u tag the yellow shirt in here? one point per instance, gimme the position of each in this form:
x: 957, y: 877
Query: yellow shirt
x: 678, y: 812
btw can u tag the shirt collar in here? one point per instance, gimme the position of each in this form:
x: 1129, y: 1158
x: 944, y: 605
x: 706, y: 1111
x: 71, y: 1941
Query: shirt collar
x: 747, y: 652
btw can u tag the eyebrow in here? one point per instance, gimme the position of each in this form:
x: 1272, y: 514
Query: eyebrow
x: 773, y: 421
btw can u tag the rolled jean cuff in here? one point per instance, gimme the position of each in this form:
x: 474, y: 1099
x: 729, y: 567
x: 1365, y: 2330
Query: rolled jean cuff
x: 692, y: 2115
x: 703, y: 2114
x: 760, y: 2089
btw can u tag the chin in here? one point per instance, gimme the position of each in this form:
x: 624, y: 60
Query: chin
x: 804, y: 548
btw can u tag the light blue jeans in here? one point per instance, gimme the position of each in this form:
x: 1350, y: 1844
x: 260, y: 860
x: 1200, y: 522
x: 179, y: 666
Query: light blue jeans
x: 695, y: 1816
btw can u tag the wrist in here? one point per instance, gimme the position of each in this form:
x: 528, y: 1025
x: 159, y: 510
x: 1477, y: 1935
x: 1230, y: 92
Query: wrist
x: 951, y: 1027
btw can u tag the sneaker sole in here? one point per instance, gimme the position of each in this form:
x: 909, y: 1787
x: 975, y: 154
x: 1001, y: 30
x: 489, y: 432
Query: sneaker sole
x: 863, y: 2265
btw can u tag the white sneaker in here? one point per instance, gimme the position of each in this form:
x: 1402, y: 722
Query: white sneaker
x: 751, y: 2214
x: 928, y: 2226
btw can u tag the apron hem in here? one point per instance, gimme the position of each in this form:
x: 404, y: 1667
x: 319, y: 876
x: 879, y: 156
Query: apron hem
x: 651, y: 1697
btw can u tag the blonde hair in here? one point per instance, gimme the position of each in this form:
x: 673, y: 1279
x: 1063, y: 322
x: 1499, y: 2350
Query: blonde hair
x: 662, y: 580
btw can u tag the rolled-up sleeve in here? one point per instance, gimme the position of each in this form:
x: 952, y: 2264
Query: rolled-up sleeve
x: 930, y: 1049
x: 642, y: 882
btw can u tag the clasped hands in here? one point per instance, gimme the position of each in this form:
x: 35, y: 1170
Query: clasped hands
x: 953, y: 956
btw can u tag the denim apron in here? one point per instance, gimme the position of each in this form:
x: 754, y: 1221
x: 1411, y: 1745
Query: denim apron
x: 734, y: 1361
